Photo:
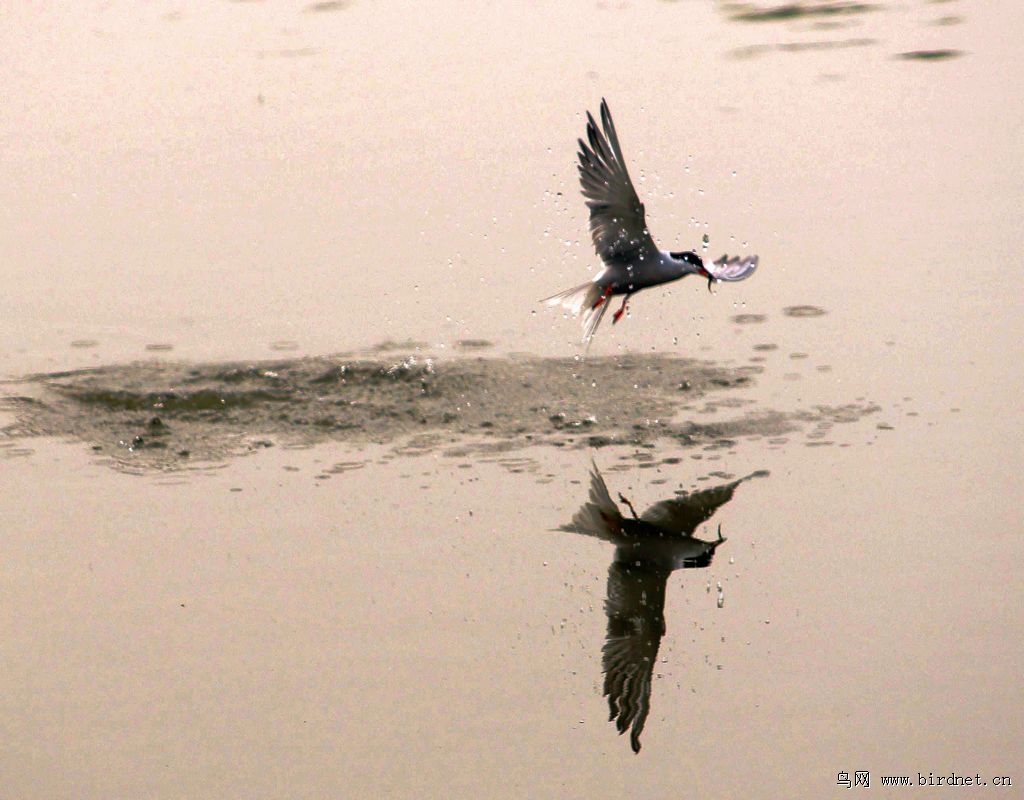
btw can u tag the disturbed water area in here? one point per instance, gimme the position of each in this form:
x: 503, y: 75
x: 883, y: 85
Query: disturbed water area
x: 161, y: 415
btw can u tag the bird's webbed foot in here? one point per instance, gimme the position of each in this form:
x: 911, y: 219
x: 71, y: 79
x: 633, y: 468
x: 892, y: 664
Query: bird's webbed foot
x: 628, y: 504
x: 622, y: 310
x: 601, y: 300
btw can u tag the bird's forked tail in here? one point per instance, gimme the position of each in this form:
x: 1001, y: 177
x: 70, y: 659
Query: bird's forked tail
x: 599, y: 516
x: 589, y: 299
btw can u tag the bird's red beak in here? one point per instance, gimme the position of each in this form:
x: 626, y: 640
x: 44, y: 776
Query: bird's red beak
x: 711, y: 278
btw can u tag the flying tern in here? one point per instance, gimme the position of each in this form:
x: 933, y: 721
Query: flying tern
x: 648, y: 549
x: 632, y: 261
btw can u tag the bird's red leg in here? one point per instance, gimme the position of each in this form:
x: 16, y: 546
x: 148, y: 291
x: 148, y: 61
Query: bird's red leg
x: 631, y: 509
x: 602, y: 298
x: 622, y: 310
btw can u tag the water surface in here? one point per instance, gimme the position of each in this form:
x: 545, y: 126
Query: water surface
x: 289, y: 446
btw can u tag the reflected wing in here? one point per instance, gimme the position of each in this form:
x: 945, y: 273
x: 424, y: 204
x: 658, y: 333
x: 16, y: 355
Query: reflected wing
x: 636, y: 622
x: 617, y: 222
x: 682, y: 515
x: 733, y: 269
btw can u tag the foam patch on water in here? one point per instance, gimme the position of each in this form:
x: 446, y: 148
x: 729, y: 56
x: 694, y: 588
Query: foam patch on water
x: 159, y: 415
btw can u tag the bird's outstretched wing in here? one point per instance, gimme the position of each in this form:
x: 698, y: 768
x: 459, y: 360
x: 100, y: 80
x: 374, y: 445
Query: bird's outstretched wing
x: 636, y: 623
x: 681, y: 515
x: 617, y: 222
x: 732, y: 269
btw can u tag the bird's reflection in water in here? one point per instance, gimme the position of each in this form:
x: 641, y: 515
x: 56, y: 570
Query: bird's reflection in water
x: 648, y: 549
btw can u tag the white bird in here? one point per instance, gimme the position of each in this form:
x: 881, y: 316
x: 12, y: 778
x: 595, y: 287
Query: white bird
x: 619, y: 230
